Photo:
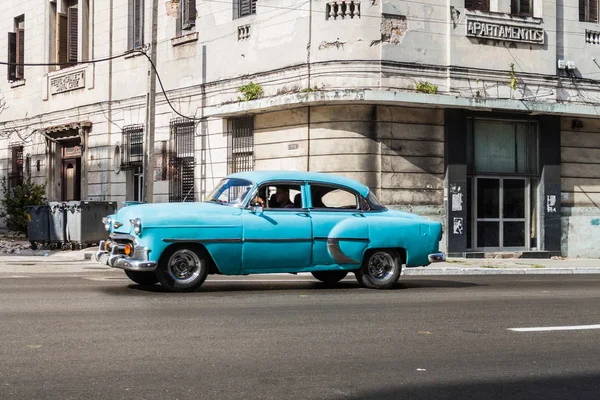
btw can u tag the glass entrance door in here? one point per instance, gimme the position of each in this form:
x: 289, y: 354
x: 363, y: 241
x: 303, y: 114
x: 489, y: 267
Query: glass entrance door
x: 501, y: 213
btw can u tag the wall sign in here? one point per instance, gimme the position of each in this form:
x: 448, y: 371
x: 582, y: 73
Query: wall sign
x: 504, y: 31
x: 66, y: 83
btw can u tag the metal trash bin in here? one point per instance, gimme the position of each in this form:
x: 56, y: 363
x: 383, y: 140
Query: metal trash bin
x: 57, y: 222
x: 38, y: 229
x: 84, y: 221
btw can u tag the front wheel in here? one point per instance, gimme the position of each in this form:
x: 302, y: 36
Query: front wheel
x: 329, y: 277
x: 380, y: 269
x: 183, y: 268
x: 142, y: 277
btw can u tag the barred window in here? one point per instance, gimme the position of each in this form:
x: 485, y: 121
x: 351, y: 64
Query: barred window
x: 15, y: 175
x: 133, y: 146
x: 240, y: 144
x: 181, y: 160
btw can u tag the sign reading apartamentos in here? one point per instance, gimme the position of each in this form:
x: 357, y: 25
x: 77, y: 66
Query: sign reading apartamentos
x: 501, y: 31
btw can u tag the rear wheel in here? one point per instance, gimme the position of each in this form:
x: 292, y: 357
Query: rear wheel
x: 141, y: 277
x: 380, y: 269
x: 183, y: 268
x: 329, y: 277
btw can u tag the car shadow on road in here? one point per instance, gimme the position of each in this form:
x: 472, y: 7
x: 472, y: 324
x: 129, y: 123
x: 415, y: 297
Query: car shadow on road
x: 580, y: 387
x: 223, y: 286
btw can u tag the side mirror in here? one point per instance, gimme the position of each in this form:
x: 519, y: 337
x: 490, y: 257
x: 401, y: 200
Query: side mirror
x: 256, y: 208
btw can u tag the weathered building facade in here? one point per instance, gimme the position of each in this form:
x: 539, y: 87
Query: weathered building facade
x: 482, y: 114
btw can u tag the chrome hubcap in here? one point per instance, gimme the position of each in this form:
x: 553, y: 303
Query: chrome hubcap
x: 381, y: 266
x: 184, y: 266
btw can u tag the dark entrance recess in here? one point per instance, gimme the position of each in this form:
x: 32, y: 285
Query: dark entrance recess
x: 502, y: 183
x: 71, y: 172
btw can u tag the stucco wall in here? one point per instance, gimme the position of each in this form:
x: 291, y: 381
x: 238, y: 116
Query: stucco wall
x: 580, y: 187
x: 397, y: 151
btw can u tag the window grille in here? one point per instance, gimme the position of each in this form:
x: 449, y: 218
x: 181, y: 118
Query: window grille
x: 133, y: 146
x: 181, y: 160
x: 240, y: 144
x: 15, y: 176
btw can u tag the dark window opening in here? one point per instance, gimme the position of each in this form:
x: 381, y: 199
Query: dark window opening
x: 15, y: 176
x: 135, y: 34
x: 16, y: 51
x: 240, y: 144
x: 187, y: 16
x: 588, y: 11
x: 521, y: 8
x: 181, y: 160
x: 478, y: 5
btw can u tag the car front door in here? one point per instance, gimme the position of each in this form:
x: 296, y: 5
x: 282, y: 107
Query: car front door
x: 339, y: 228
x: 277, y: 237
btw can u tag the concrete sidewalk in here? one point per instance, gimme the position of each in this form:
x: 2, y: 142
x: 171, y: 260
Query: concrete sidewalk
x: 55, y: 261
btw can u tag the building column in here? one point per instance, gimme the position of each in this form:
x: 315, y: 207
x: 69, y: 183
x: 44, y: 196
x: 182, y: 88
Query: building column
x: 455, y: 183
x: 549, y: 200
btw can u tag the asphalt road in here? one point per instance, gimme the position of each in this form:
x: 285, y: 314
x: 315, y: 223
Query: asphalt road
x: 98, y: 336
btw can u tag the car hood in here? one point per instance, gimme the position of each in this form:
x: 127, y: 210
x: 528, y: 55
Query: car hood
x: 157, y: 214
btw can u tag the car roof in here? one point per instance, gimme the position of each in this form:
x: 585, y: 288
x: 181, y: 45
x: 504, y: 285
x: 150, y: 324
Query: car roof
x: 262, y: 176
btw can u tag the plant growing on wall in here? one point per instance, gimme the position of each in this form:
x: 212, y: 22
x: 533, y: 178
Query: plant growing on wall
x: 16, y: 199
x: 251, y: 91
x: 426, y: 87
x: 513, y: 77
x: 3, y: 105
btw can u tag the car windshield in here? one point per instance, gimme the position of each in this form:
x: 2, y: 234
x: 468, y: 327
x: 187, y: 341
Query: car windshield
x: 230, y: 191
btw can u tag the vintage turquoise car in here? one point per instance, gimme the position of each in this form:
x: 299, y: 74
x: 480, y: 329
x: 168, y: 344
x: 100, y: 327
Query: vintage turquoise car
x: 270, y: 222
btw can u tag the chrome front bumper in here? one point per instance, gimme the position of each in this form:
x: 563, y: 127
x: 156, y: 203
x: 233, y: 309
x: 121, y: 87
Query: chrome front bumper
x: 115, y: 259
x: 436, y: 257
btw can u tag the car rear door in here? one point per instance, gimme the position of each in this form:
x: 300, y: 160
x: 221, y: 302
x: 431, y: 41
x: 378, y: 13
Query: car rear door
x: 340, y: 230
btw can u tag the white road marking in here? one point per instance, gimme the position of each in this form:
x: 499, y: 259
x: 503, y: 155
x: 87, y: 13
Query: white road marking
x: 555, y: 328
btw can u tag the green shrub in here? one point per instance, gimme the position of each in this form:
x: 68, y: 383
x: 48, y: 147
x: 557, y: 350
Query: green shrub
x: 251, y: 91
x: 426, y: 87
x: 16, y: 199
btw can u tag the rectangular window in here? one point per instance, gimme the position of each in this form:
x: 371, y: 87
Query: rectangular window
x: 16, y: 50
x: 15, y: 176
x: 478, y: 5
x: 135, y: 33
x: 240, y: 144
x: 182, y: 160
x: 132, y: 151
x: 187, y: 16
x: 243, y: 8
x: 522, y: 7
x: 71, y: 33
x: 588, y: 11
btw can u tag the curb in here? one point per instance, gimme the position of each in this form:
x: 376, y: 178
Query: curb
x: 498, y: 271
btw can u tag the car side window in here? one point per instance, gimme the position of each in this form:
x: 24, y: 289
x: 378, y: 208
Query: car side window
x: 330, y: 197
x: 279, y: 196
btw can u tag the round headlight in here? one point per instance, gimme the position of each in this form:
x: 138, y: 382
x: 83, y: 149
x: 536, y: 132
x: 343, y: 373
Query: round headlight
x: 136, y: 224
x: 106, y: 221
